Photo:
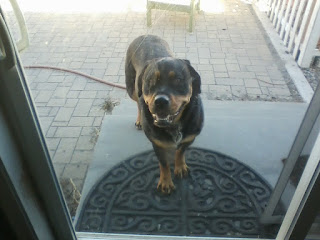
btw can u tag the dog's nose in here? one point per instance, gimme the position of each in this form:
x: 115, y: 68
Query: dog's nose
x: 161, y: 101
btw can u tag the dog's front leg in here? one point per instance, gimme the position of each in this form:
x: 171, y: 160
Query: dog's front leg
x: 180, y: 166
x: 165, y: 184
x: 138, y: 121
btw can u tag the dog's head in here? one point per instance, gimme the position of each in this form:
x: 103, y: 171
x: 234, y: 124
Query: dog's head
x: 167, y: 86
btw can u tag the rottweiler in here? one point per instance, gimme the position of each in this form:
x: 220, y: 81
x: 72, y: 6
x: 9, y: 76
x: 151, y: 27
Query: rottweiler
x: 170, y: 112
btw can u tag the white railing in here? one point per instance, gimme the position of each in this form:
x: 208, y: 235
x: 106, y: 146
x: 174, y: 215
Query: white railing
x: 298, y: 25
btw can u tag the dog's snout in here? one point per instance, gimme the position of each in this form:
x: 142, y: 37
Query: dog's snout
x: 161, y: 101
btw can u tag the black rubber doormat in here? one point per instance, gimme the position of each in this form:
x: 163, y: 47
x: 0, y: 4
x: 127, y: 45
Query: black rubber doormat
x: 220, y: 197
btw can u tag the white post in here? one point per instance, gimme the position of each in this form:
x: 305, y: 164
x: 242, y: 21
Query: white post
x: 285, y: 20
x: 305, y: 24
x: 276, y: 13
x: 296, y: 25
x: 291, y: 19
x: 308, y: 49
x: 280, y: 15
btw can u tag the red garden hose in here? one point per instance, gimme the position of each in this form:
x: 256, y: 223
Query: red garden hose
x: 77, y: 73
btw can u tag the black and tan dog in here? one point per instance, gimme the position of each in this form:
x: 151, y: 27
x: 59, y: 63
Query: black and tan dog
x: 169, y: 106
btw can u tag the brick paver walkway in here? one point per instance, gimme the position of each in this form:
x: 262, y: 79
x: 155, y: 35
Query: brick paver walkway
x: 229, y: 49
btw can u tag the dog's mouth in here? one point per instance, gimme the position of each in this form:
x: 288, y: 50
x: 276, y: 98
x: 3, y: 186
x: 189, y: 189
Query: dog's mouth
x: 167, y: 120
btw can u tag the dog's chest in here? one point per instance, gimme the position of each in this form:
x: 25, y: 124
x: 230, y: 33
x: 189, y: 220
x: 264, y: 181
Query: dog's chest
x: 175, y: 135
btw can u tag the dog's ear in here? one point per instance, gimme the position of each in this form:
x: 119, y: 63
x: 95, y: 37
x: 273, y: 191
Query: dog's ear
x: 196, y: 80
x: 140, y: 79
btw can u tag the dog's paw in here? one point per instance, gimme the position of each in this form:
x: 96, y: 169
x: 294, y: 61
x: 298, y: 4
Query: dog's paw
x: 166, y: 187
x: 181, y: 171
x: 138, y: 125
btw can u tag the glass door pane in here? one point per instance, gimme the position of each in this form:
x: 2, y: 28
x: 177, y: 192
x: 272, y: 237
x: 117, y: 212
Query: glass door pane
x: 108, y: 169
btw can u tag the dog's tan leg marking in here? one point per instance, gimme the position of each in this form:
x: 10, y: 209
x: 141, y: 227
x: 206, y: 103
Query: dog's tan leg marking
x: 138, y: 121
x: 165, y: 184
x: 180, y: 166
x: 188, y: 139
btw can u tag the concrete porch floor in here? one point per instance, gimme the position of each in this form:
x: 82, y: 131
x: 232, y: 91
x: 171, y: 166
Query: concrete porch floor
x: 258, y: 134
